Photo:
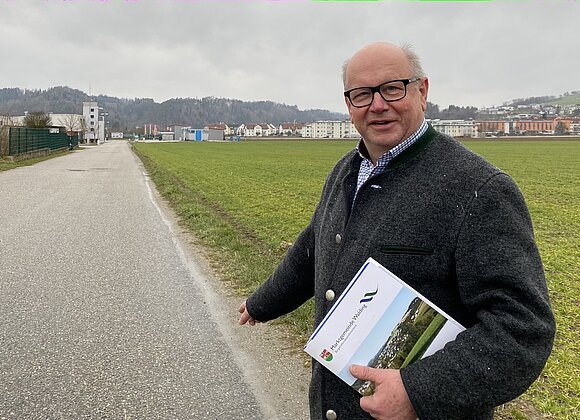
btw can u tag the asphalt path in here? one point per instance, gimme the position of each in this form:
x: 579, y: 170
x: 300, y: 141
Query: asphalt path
x: 103, y: 313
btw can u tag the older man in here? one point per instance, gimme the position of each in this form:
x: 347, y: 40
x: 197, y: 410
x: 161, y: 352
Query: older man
x: 443, y: 219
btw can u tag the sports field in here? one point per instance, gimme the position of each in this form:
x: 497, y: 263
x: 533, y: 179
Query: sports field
x: 247, y: 201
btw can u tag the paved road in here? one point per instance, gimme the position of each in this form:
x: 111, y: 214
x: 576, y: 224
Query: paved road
x: 102, y: 316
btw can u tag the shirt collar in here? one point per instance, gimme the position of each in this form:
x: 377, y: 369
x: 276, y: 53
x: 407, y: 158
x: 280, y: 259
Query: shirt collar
x: 363, y: 152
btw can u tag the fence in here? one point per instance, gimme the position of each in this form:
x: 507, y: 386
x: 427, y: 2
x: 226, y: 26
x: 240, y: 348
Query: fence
x: 16, y: 141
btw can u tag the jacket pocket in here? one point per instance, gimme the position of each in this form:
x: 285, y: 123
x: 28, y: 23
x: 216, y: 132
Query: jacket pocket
x: 406, y: 250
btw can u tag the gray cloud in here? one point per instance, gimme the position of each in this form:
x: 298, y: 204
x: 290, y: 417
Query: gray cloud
x: 474, y: 53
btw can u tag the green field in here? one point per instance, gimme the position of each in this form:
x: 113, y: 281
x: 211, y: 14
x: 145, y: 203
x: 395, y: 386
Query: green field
x: 246, y: 201
x: 567, y: 100
x: 425, y: 340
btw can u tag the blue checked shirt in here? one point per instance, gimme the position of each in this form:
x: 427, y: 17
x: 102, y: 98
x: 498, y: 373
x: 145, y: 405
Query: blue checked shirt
x: 367, y: 169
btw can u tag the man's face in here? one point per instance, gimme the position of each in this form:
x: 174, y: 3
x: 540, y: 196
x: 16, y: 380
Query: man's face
x: 383, y: 125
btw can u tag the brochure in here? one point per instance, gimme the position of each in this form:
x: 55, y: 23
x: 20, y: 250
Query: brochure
x: 381, y: 322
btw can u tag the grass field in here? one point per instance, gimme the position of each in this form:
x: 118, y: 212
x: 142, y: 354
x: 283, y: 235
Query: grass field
x: 425, y: 340
x: 246, y: 201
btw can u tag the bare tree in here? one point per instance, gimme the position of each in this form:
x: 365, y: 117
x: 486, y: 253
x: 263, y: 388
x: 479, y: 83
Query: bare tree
x: 83, y: 124
x: 37, y: 119
x: 7, y: 120
x: 4, y: 133
x: 72, y: 123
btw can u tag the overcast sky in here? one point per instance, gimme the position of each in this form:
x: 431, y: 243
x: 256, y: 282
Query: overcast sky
x: 288, y: 51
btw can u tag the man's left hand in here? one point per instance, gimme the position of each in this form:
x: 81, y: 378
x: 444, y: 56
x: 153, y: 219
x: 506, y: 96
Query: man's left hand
x: 390, y: 400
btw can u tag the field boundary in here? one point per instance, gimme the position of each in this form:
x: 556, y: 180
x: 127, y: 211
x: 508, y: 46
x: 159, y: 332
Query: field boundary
x: 240, y: 261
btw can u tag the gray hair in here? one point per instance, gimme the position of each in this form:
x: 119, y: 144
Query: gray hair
x: 344, y: 68
x: 412, y: 58
x: 414, y: 61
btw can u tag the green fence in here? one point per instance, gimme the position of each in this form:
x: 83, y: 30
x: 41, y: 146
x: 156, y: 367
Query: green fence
x: 23, y: 140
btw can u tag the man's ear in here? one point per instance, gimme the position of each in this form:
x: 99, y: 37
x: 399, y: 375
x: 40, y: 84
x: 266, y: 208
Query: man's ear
x: 424, y: 90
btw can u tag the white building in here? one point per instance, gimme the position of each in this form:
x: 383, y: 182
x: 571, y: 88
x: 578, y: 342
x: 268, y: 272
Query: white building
x: 269, y: 129
x: 72, y: 122
x: 290, y: 129
x: 252, y: 130
x: 94, y: 123
x: 330, y: 130
x: 256, y: 130
x: 203, y: 134
x: 228, y: 131
x: 455, y: 128
x: 166, y: 135
x: 575, y: 128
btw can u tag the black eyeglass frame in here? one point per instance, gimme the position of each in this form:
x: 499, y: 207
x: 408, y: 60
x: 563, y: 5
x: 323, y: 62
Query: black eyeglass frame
x: 378, y: 89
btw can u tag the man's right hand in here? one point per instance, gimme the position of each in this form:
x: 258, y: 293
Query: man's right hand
x: 246, y: 317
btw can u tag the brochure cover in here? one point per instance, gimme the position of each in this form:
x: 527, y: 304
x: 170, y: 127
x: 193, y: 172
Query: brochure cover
x: 381, y: 322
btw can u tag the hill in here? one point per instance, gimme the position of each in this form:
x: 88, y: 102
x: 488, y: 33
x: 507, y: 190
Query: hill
x: 127, y: 114
x: 568, y: 98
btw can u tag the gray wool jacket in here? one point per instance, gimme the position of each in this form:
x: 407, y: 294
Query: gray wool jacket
x: 456, y: 229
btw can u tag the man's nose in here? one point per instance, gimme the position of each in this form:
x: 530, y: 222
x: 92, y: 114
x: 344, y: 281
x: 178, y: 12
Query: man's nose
x: 378, y: 104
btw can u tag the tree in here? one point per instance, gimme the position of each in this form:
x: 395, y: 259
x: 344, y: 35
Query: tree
x: 560, y: 128
x: 72, y: 123
x: 83, y: 133
x: 455, y: 112
x: 432, y: 111
x: 37, y: 119
x: 7, y: 120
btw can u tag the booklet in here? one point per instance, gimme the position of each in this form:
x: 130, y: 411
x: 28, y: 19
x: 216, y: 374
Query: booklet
x: 381, y: 322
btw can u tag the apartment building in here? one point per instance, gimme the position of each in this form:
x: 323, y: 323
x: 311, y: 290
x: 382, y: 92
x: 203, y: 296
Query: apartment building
x: 494, y: 127
x: 290, y: 129
x: 94, y: 123
x: 456, y: 128
x: 256, y: 130
x: 330, y: 130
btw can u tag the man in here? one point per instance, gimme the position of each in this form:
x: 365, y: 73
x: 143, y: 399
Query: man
x: 448, y: 223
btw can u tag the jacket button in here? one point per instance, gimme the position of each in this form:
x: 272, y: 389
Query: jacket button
x: 329, y: 295
x: 338, y: 238
x: 331, y: 415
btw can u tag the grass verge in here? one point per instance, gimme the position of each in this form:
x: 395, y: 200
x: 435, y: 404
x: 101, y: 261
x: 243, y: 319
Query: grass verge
x: 6, y: 165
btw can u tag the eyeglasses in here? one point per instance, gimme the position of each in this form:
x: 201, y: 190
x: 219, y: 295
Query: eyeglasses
x: 391, y: 91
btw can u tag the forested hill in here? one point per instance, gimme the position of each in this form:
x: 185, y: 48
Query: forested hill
x: 126, y: 114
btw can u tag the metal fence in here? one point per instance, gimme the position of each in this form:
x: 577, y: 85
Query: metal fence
x: 24, y: 140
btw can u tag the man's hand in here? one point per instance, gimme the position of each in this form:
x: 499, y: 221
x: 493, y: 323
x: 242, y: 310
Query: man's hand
x: 246, y: 315
x: 390, y: 400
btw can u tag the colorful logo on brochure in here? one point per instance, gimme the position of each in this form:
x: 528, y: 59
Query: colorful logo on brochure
x: 369, y: 296
x: 326, y: 355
